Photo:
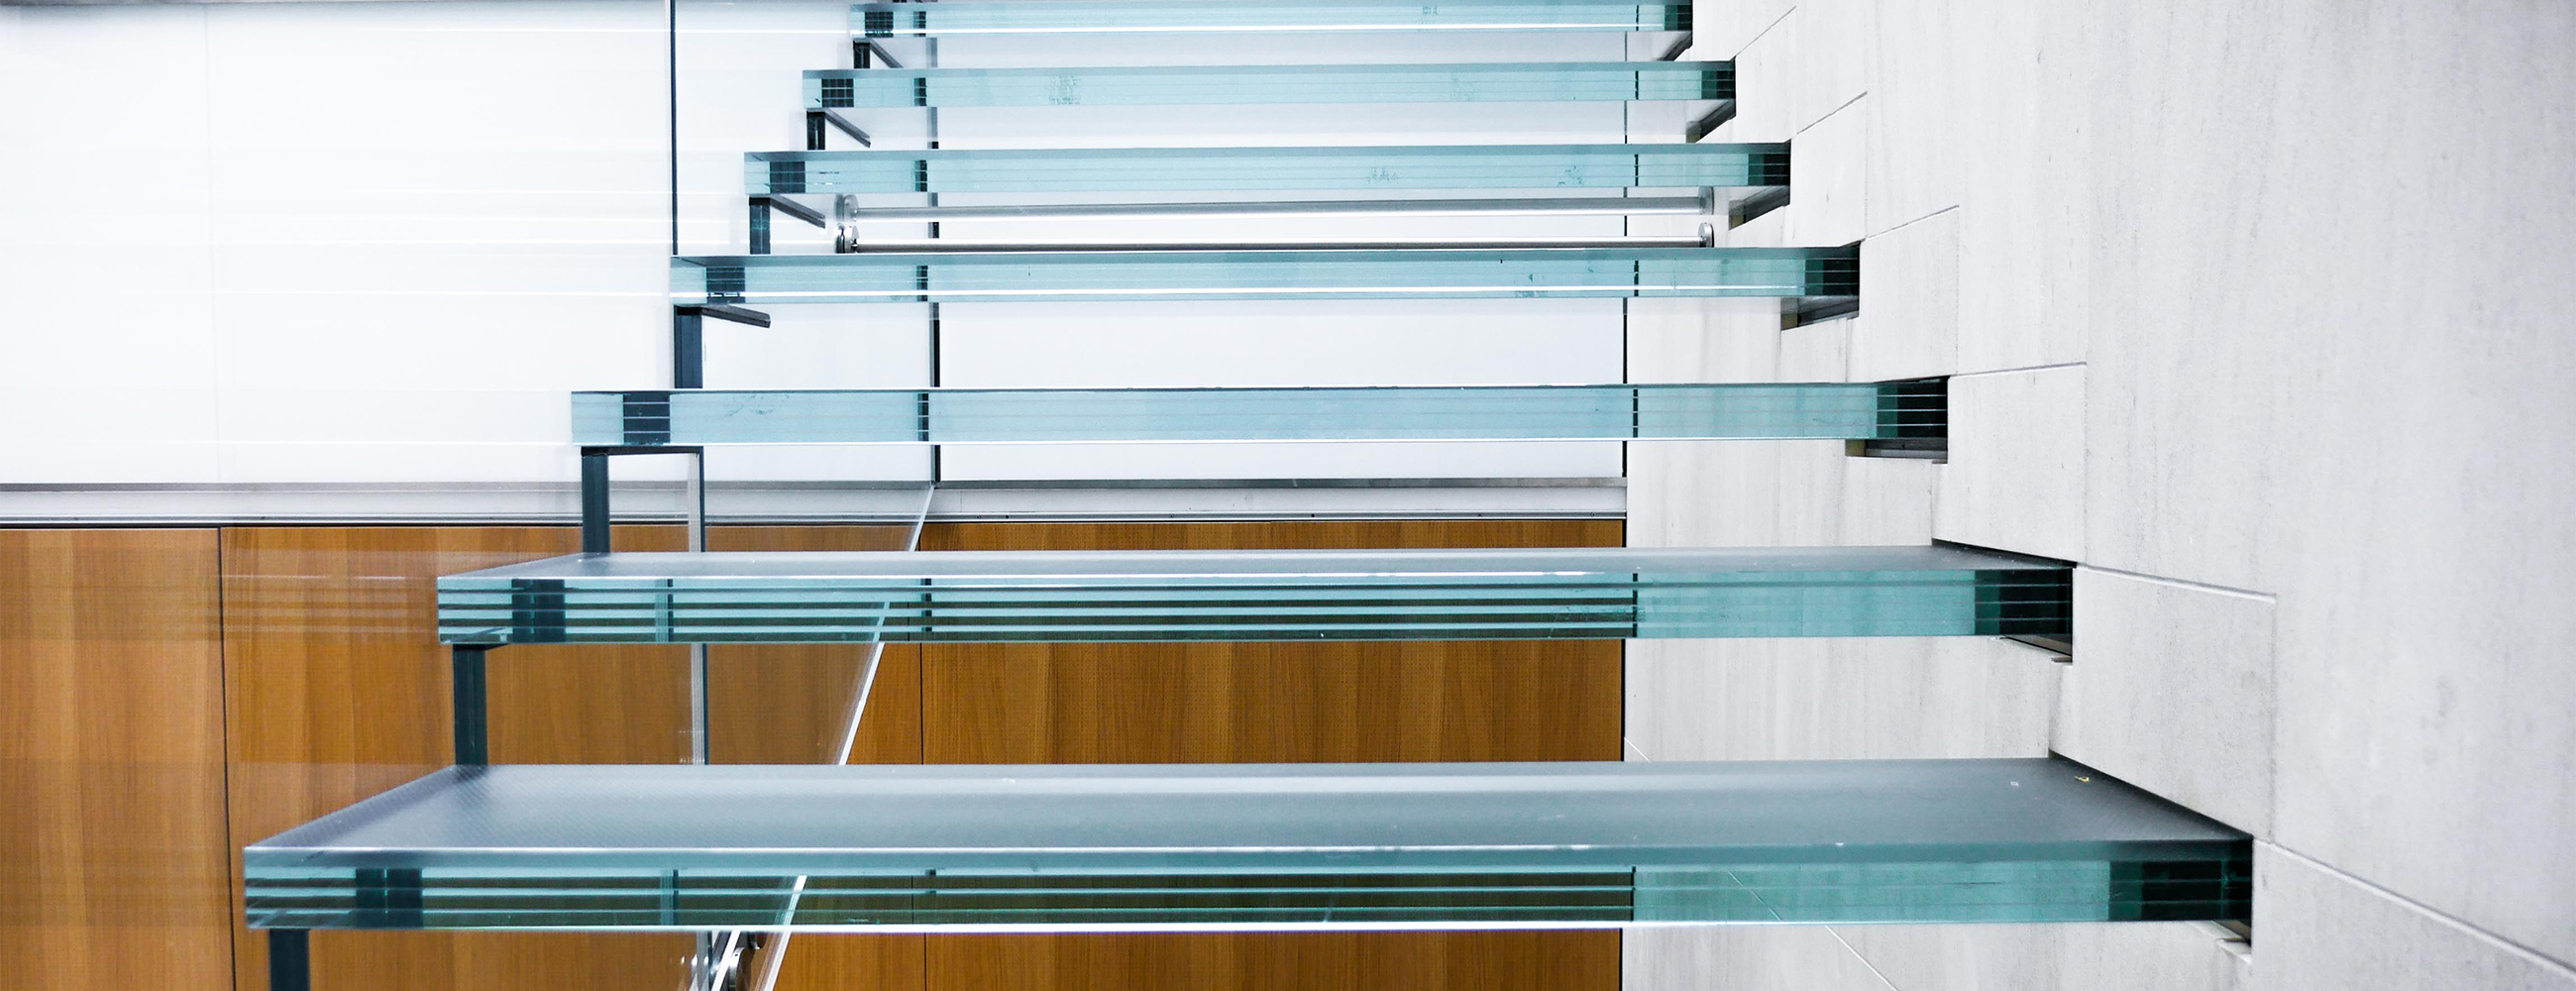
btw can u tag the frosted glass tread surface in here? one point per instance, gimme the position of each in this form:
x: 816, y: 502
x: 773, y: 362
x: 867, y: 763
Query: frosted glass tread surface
x: 1461, y: 564
x: 1040, y: 170
x: 1309, y: 273
x: 1120, y: 596
x: 1224, y: 816
x: 1136, y: 846
x: 1006, y: 17
x: 1458, y: 82
x: 1816, y: 410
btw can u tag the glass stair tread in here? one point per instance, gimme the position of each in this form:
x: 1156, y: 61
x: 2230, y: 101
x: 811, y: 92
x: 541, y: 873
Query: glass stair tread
x: 1711, y: 83
x: 1004, y: 17
x: 927, y: 847
x: 1238, y: 169
x: 1275, y: 595
x: 1308, y: 273
x: 1817, y: 410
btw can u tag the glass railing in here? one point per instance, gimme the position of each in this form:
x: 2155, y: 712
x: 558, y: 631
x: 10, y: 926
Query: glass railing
x: 1253, y: 846
x: 1067, y: 596
x: 1312, y: 273
x: 1464, y: 82
x: 1192, y: 170
x: 1830, y: 410
x: 991, y: 17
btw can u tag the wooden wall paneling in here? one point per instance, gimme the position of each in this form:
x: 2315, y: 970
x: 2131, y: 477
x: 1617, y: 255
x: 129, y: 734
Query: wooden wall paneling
x: 1376, y: 961
x: 1272, y: 534
x: 1069, y: 703
x: 338, y: 689
x: 1265, y: 702
x: 786, y: 703
x: 1195, y: 702
x: 114, y: 858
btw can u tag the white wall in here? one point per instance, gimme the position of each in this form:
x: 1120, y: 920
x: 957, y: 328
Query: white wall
x: 252, y: 244
x: 2257, y: 311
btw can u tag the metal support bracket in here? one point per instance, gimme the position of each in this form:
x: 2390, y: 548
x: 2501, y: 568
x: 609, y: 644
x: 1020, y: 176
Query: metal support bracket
x: 1709, y: 122
x: 594, y: 488
x: 1762, y: 201
x: 689, y: 339
x: 867, y: 54
x: 720, y: 311
x: 797, y: 210
x: 471, y: 694
x: 817, y: 118
x: 290, y: 960
x: 762, y: 209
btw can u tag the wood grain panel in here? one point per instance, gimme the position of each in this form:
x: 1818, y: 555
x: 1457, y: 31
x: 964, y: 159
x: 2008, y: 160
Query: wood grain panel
x: 788, y: 703
x: 338, y: 689
x: 1272, y: 534
x: 1264, y: 702
x: 1240, y: 703
x: 114, y: 858
x: 1075, y: 703
x: 1381, y: 961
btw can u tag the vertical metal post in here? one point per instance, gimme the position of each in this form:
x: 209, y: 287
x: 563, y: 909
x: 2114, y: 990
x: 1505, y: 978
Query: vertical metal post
x: 688, y: 349
x: 290, y: 960
x: 694, y: 500
x: 695, y: 495
x: 473, y: 729
x: 594, y: 503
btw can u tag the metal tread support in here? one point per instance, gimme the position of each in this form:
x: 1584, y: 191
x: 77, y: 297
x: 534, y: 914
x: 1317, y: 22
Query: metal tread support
x: 290, y: 960
x: 817, y: 119
x: 763, y: 207
x: 1709, y: 123
x: 595, y: 532
x: 863, y: 51
x: 471, y: 694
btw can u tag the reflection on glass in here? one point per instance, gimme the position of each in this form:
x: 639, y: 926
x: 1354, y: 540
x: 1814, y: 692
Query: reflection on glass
x: 1077, y: 596
x: 1315, y: 273
x: 1045, y: 170
x: 1041, y: 847
x: 989, y: 17
x: 1461, y: 82
x: 1828, y: 410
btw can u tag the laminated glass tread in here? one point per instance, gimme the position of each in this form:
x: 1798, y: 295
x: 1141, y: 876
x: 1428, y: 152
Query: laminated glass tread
x: 931, y: 847
x: 1158, y: 170
x: 1309, y: 273
x: 1112, y: 86
x: 1826, y: 410
x: 1117, y: 596
x: 1022, y: 17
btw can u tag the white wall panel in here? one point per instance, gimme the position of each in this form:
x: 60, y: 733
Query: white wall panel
x: 105, y: 247
x: 1825, y: 181
x: 2015, y: 478
x: 2306, y: 263
x: 1908, y: 325
x: 2172, y: 690
x: 2326, y: 931
x: 379, y: 242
